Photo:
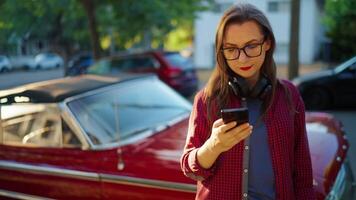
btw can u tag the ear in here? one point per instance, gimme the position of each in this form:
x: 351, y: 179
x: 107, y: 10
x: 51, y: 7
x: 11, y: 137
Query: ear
x: 267, y: 44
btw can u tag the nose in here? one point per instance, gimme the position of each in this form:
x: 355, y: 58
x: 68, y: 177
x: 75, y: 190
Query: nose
x: 242, y: 57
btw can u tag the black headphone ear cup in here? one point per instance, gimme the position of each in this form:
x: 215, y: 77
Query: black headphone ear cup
x: 258, y: 88
x: 261, y: 89
x: 266, y: 92
x: 239, y: 86
x: 243, y: 86
x: 234, y: 88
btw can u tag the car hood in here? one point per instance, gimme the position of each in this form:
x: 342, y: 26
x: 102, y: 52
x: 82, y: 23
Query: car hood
x: 166, y: 145
x: 161, y: 149
x: 313, y: 76
x: 327, y: 150
x: 323, y: 148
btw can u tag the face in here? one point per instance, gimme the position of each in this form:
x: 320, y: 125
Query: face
x: 246, y: 35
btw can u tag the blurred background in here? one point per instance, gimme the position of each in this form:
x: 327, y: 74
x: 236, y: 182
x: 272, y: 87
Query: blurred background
x: 63, y: 29
x: 70, y: 27
x: 46, y: 39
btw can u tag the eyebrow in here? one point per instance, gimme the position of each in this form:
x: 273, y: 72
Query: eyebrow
x: 248, y: 42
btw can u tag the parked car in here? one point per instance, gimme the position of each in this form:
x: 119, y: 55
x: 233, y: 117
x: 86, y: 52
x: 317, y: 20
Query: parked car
x: 5, y: 64
x: 96, y: 137
x: 329, y: 88
x: 80, y: 63
x: 22, y: 62
x: 171, y: 67
x: 48, y: 61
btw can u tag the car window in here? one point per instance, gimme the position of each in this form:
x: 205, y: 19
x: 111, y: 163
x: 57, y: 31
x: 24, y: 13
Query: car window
x: 177, y: 60
x: 118, y: 65
x: 143, y: 63
x: 100, y: 67
x: 35, y: 125
x: 133, y: 63
x: 69, y: 139
x: 346, y: 65
x: 128, y: 109
x: 353, y: 68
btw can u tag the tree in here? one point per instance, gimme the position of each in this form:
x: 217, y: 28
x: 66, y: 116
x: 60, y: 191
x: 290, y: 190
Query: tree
x: 340, y: 22
x: 153, y: 20
x: 293, y: 66
x: 57, y: 22
x: 71, y: 24
x: 89, y: 7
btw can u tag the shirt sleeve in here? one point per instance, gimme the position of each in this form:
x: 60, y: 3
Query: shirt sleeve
x: 198, y: 131
x: 303, y: 174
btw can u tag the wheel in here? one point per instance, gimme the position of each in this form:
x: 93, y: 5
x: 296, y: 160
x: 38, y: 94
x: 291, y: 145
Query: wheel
x: 317, y: 99
x: 3, y: 70
x: 82, y: 70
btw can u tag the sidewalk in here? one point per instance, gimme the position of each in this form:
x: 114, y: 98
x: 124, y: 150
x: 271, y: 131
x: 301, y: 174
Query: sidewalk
x: 282, y: 71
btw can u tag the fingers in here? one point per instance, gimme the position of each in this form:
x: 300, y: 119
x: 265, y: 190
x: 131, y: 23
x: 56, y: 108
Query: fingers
x: 226, y: 127
x: 218, y: 123
x: 241, y: 132
x: 242, y: 127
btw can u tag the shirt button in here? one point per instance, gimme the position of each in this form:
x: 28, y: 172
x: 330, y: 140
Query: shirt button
x: 246, y: 147
x: 245, y: 170
x: 245, y: 194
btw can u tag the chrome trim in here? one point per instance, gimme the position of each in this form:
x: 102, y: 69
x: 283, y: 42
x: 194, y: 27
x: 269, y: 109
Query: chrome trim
x: 149, y: 183
x: 338, y: 187
x: 1, y: 129
x: 17, y: 195
x: 116, y: 179
x: 53, y: 171
x: 343, y: 185
x: 69, y: 118
x: 105, y: 88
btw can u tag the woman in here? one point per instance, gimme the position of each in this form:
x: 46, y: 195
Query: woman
x: 269, y: 160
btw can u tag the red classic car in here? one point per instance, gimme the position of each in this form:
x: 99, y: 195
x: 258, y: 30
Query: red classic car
x: 96, y: 137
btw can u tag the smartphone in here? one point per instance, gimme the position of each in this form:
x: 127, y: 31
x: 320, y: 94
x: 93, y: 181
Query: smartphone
x: 240, y: 115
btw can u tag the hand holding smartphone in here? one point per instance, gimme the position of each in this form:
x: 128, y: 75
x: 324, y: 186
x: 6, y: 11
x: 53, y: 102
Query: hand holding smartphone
x: 240, y: 115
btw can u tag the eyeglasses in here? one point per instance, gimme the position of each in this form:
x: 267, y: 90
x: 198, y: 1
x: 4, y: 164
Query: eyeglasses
x: 250, y: 50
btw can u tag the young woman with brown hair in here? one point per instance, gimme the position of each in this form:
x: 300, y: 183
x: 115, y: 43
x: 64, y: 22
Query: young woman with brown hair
x: 270, y: 160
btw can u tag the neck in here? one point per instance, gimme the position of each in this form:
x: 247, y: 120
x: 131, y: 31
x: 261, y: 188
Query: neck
x: 253, y: 80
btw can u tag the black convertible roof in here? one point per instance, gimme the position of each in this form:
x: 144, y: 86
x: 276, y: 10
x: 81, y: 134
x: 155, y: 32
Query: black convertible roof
x: 57, y: 90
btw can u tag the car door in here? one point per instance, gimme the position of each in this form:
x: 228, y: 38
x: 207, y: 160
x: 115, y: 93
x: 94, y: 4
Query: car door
x: 41, y: 157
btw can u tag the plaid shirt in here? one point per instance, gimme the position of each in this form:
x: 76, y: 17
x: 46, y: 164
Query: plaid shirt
x: 287, y: 142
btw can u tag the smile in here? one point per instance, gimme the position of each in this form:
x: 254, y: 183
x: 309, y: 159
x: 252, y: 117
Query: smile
x: 246, y: 68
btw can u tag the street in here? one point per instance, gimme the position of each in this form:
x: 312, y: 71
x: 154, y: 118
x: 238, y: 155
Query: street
x: 15, y: 78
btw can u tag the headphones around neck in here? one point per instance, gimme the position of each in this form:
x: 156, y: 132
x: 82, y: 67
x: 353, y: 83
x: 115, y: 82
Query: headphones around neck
x: 241, y: 88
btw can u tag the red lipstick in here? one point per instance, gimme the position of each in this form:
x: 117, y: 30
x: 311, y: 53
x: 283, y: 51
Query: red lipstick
x: 246, y: 68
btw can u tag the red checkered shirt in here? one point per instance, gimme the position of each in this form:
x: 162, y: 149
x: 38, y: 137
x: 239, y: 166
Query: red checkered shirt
x: 287, y: 141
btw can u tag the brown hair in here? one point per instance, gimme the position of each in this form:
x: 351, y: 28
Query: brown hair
x: 217, y: 89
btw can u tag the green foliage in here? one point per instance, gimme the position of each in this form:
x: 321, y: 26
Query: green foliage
x: 340, y: 20
x: 58, y: 22
x: 136, y: 21
x: 128, y: 23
